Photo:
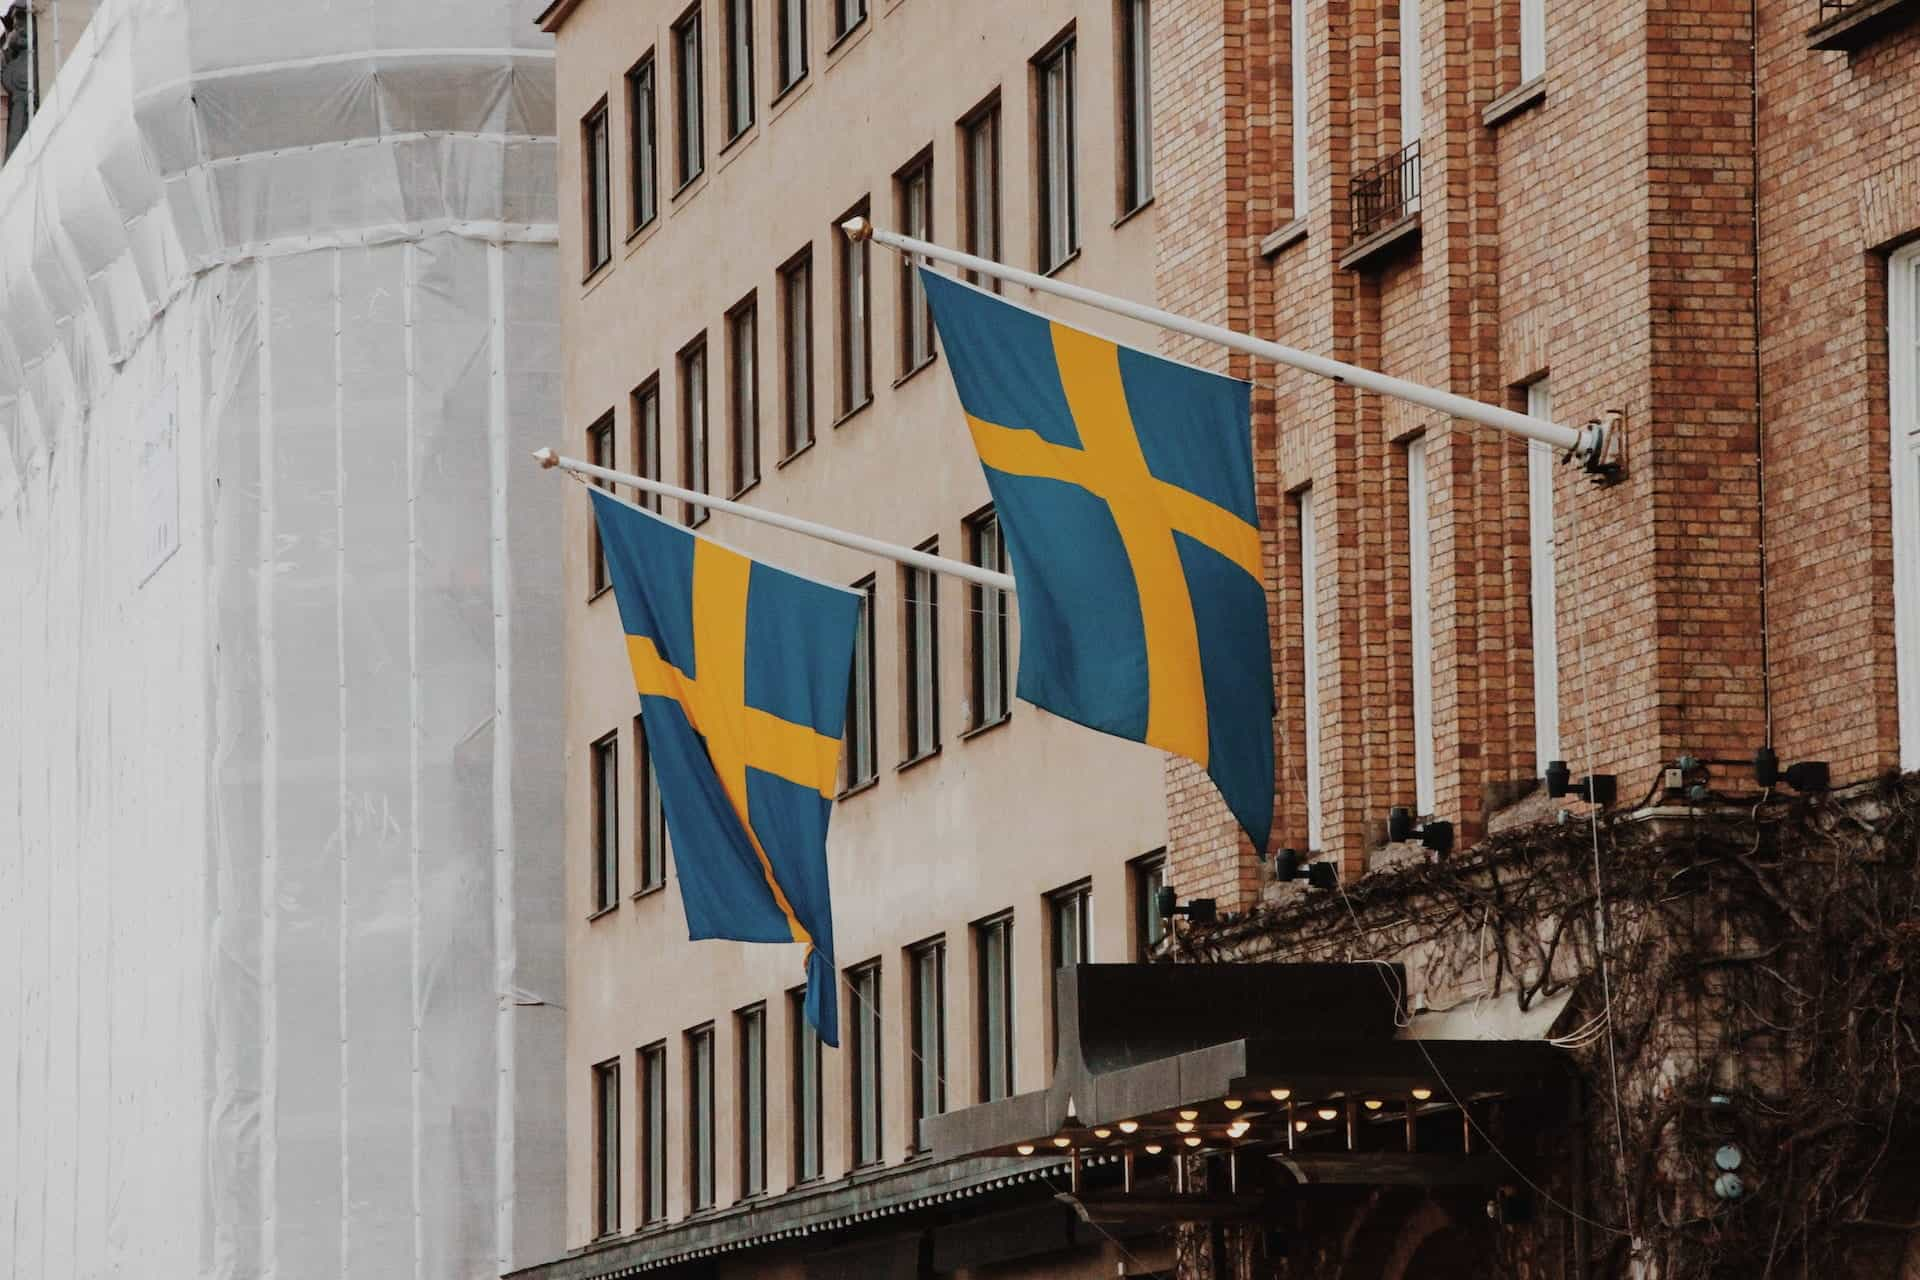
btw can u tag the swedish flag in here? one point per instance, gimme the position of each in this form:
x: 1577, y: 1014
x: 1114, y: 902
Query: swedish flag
x: 742, y: 671
x: 1124, y: 484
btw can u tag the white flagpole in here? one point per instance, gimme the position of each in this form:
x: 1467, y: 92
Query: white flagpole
x: 793, y: 524
x: 1588, y: 444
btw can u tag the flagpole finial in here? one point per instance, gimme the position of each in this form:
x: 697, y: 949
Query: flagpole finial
x: 857, y: 229
x: 547, y: 459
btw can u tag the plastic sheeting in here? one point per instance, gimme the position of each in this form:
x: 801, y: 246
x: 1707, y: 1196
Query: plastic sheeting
x: 280, y: 726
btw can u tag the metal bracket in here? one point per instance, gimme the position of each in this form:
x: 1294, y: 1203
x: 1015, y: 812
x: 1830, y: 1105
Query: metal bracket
x: 1601, y: 452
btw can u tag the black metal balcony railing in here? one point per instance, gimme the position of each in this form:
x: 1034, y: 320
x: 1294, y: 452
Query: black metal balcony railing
x: 1831, y: 8
x: 1386, y: 193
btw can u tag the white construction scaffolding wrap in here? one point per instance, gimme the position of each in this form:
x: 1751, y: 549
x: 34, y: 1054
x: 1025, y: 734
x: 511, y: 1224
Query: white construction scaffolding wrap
x: 281, y: 757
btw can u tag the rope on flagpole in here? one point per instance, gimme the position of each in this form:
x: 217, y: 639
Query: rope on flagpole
x: 792, y: 524
x: 1590, y: 445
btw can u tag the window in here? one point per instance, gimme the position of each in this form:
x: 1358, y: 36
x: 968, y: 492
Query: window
x: 1540, y: 561
x: 796, y: 350
x: 847, y: 14
x: 1419, y: 585
x: 1148, y: 876
x: 1136, y: 105
x: 751, y: 1028
x: 1310, y: 664
x: 646, y: 438
x: 927, y: 967
x: 1070, y: 942
x: 913, y: 189
x: 689, y: 104
x: 693, y: 424
x: 606, y: 822
x: 651, y: 831
x: 1409, y: 72
x: 1533, y: 39
x: 594, y: 164
x: 920, y: 598
x: 653, y: 1135
x: 600, y: 454
x: 809, y: 1097
x: 993, y: 948
x: 987, y: 622
x: 793, y: 41
x: 743, y: 394
x: 864, y: 984
x: 862, y: 726
x: 1059, y: 212
x: 1297, y: 90
x: 1903, y: 334
x: 644, y: 123
x: 739, y: 67
x: 855, y: 316
x: 700, y: 1118
x: 606, y: 1148
x: 980, y: 163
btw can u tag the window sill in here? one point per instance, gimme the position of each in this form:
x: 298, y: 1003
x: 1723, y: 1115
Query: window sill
x: 597, y: 274
x: 848, y: 37
x: 747, y: 131
x: 851, y: 412
x: 607, y: 910
x: 986, y: 727
x: 700, y: 517
x: 1279, y: 238
x: 920, y: 759
x: 902, y: 379
x: 854, y: 790
x: 1384, y: 244
x: 1855, y: 27
x: 1132, y: 213
x: 650, y: 891
x: 1512, y: 103
x: 642, y: 232
x: 788, y: 92
x: 597, y: 592
x: 1062, y: 265
x: 795, y: 455
x: 744, y: 490
x: 689, y: 188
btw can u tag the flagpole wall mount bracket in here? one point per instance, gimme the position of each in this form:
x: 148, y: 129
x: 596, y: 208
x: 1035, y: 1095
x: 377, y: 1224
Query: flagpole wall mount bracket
x: 1601, y: 452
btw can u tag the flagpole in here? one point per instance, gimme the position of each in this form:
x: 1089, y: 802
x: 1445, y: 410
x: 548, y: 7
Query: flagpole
x: 1588, y: 444
x: 792, y: 524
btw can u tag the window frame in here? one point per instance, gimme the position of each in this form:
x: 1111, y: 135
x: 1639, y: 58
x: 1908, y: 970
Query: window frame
x: 809, y: 1092
x: 1063, y: 51
x: 690, y: 99
x: 920, y: 638
x: 696, y: 456
x: 1903, y: 434
x: 796, y: 281
x: 606, y: 1148
x: 743, y: 397
x: 987, y: 605
x: 842, y: 28
x: 1146, y: 876
x: 993, y: 931
x: 1308, y: 534
x: 653, y: 1132
x: 702, y: 1131
x: 596, y: 186
x: 1420, y: 601
x: 751, y: 1099
x: 1533, y: 40
x: 644, y: 404
x: 740, y: 112
x: 866, y: 1109
x: 917, y: 339
x: 1069, y: 902
x: 788, y: 33
x: 928, y: 1053
x: 1133, y: 29
x: 643, y: 142
x: 650, y: 832
x: 1542, y: 561
x: 848, y: 252
x: 981, y: 122
x: 602, y: 447
x: 603, y: 755
x: 866, y: 716
x: 1300, y: 107
x: 1407, y: 50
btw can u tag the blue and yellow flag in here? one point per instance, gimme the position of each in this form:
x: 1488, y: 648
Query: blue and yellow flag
x: 742, y: 671
x: 1124, y: 485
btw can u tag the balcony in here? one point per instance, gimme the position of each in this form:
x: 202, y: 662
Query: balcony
x: 1849, y: 25
x: 1384, y: 203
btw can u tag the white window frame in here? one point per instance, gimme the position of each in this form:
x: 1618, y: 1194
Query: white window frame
x: 1419, y: 590
x: 1297, y: 50
x: 1533, y: 39
x: 1903, y: 391
x: 1310, y: 667
x: 1541, y: 566
x: 1410, y: 105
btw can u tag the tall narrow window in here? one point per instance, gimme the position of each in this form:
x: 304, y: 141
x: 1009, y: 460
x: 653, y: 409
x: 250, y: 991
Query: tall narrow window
x: 796, y: 351
x: 861, y: 722
x: 743, y: 394
x: 606, y: 1148
x: 793, y: 41
x: 847, y: 14
x: 809, y: 1098
x: 600, y: 454
x: 650, y: 832
x: 605, y: 755
x: 700, y: 1118
x: 1540, y: 543
x: 1136, y: 104
x: 693, y: 424
x: 1070, y: 942
x: 1419, y: 586
x: 1533, y: 39
x: 1149, y: 876
x: 854, y: 308
x: 595, y: 164
x: 913, y: 189
x: 1297, y: 89
x: 1310, y: 665
x: 644, y: 121
x: 993, y: 956
x: 987, y: 623
x: 739, y: 67
x: 1903, y: 333
x: 690, y: 101
x: 750, y: 1027
x: 864, y: 985
x: 653, y: 1136
x: 920, y: 601
x: 980, y: 143
x: 928, y: 971
x: 1059, y: 204
x: 646, y: 438
x: 1409, y: 72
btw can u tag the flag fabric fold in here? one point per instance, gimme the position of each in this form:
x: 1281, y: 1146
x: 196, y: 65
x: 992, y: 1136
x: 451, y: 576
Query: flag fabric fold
x: 742, y: 672
x: 1123, y: 483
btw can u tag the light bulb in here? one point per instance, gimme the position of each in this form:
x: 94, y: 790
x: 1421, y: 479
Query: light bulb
x: 1232, y: 1104
x: 1422, y: 1094
x: 1103, y: 1133
x: 1184, y: 1126
x: 1372, y: 1104
x: 1280, y: 1095
x: 1237, y: 1129
x: 1128, y: 1126
x: 1025, y: 1148
x: 1063, y: 1141
x: 1325, y: 1113
x: 1153, y: 1148
x: 1193, y: 1140
x: 1299, y: 1126
x: 1189, y: 1115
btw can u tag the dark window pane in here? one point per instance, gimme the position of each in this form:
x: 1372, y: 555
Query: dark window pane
x: 642, y: 111
x: 1059, y: 212
x: 653, y: 1068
